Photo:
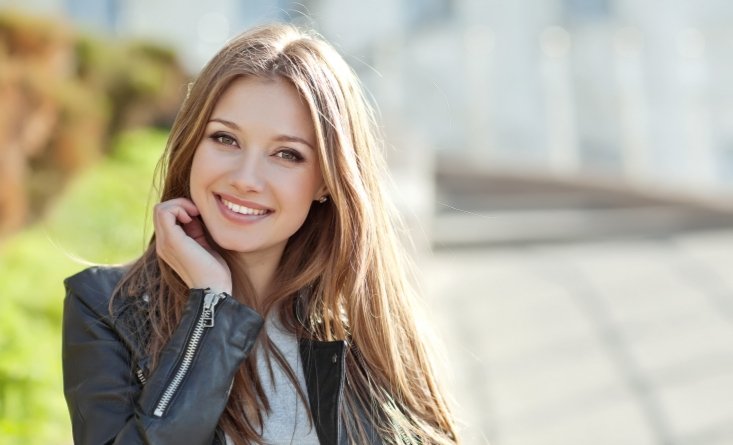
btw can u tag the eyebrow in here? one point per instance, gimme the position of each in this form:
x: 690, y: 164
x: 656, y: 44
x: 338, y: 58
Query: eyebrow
x: 279, y: 138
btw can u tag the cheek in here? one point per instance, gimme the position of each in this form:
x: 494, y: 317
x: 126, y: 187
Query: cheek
x: 307, y: 188
x: 197, y: 177
x: 300, y: 206
x: 297, y: 194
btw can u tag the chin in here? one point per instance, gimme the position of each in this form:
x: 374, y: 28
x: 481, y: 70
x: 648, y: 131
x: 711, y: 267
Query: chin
x: 235, y: 246
x: 238, y: 246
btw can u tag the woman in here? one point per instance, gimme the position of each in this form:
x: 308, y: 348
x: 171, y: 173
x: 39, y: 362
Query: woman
x: 272, y: 214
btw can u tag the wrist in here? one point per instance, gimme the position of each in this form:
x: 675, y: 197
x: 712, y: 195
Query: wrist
x: 217, y: 289
x: 214, y: 288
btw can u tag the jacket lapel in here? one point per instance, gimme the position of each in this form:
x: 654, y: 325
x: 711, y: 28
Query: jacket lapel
x: 323, y: 367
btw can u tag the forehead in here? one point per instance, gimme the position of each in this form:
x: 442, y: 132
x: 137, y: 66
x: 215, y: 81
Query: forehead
x: 272, y: 105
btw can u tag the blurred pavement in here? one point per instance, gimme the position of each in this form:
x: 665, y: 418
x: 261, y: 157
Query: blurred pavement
x: 604, y: 339
x: 617, y: 342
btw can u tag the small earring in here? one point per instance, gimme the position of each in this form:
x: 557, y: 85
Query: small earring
x: 323, y: 199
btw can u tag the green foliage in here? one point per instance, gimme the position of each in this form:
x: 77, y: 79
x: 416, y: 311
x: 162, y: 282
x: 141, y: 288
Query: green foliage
x: 99, y: 218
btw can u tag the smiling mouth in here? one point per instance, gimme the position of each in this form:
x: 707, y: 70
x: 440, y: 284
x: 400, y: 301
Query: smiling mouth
x: 243, y: 210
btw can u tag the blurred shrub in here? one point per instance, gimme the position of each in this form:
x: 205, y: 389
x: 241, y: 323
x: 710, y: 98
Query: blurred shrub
x: 65, y: 96
x: 100, y: 217
x: 35, y: 55
x: 143, y: 82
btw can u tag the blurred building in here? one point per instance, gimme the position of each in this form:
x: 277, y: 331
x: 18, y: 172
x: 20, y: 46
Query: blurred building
x: 620, y: 89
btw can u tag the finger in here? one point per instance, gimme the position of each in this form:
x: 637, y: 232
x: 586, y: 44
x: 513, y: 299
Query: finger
x: 181, y: 208
x: 185, y: 203
x: 167, y: 229
x: 195, y: 229
x: 170, y: 214
x: 180, y: 215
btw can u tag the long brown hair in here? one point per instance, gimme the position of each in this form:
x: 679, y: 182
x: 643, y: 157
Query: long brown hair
x: 346, y: 262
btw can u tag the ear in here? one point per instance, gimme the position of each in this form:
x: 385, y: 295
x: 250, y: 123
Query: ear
x: 322, y: 191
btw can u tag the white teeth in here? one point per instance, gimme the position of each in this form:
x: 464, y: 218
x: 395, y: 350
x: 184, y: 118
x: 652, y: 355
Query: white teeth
x: 242, y: 209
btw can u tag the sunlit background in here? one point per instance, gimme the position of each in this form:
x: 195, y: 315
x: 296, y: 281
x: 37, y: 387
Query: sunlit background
x: 565, y: 167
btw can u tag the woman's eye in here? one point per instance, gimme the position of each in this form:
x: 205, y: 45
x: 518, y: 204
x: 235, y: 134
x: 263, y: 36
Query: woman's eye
x: 289, y: 155
x: 224, y: 139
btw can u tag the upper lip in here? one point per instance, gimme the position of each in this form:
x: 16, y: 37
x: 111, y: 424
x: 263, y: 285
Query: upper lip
x: 242, y: 202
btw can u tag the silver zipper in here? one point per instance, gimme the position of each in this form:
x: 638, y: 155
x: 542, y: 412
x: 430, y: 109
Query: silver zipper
x: 141, y: 376
x: 205, y: 320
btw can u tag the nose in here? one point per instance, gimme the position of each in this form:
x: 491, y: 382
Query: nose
x: 247, y: 174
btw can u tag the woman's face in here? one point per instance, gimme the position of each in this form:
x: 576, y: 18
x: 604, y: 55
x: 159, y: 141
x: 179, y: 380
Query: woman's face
x: 256, y: 173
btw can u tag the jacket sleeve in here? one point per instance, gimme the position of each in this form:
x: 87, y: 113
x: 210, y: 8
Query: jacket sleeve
x: 106, y: 403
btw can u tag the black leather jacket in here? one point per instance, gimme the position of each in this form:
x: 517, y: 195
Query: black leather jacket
x: 114, y: 398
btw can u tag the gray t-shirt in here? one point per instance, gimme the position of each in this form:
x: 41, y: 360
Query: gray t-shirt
x: 288, y: 421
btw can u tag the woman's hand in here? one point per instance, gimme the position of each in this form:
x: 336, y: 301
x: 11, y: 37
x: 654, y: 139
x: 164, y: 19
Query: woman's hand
x: 180, y: 242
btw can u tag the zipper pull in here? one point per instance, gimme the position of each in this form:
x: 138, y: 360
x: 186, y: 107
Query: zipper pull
x: 210, y: 301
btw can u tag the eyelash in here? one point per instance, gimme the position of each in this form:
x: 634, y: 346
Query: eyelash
x: 219, y: 138
x: 286, y: 154
x: 292, y: 155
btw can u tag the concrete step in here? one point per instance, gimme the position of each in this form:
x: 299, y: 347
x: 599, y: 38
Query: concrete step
x: 476, y: 205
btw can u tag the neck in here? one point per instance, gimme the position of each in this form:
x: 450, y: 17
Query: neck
x: 260, y: 269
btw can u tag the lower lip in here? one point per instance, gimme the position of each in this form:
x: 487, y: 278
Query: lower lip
x: 238, y: 217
